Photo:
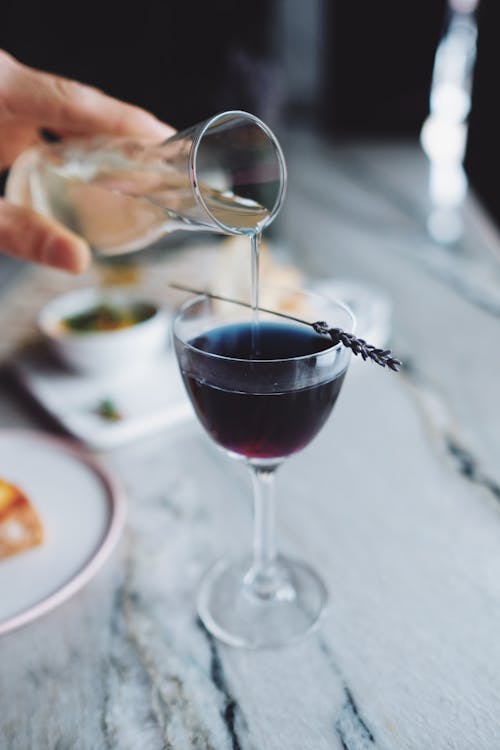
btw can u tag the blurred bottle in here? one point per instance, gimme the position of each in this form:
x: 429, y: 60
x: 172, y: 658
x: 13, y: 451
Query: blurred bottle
x: 444, y: 133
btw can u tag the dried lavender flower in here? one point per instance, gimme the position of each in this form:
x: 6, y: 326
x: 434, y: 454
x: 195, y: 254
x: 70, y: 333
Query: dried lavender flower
x: 382, y: 357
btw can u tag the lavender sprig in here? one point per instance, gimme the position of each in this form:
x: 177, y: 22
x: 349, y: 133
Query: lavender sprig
x: 382, y: 357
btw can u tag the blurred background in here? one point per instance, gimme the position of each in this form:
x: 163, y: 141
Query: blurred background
x: 351, y: 69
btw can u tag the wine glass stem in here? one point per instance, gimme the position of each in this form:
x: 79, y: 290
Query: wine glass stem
x: 265, y: 578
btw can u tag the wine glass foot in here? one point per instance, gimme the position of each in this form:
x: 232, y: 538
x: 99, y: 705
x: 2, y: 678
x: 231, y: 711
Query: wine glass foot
x: 235, y: 615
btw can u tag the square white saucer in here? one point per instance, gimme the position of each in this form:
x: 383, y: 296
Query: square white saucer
x: 148, y: 400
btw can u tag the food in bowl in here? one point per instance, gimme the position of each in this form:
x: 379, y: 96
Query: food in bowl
x: 107, y: 317
x: 101, y: 331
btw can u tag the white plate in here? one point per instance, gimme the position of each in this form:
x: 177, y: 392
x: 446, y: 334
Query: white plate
x: 82, y: 510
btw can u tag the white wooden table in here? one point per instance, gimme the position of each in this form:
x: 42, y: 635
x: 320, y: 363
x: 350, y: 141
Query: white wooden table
x: 396, y: 504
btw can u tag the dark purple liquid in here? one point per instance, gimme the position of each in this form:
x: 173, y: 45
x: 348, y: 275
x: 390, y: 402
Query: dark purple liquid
x: 238, y: 402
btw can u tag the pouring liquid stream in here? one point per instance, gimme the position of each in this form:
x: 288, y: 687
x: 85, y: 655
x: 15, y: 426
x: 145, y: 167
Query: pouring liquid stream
x: 255, y: 241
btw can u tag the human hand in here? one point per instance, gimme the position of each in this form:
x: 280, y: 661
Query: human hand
x: 29, y: 101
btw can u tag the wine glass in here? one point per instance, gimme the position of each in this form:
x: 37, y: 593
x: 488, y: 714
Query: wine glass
x: 262, y: 388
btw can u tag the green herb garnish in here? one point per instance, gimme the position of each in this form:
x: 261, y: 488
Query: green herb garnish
x: 108, y: 410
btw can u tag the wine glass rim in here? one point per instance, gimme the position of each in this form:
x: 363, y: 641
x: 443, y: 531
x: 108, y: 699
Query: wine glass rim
x: 193, y: 157
x: 303, y: 357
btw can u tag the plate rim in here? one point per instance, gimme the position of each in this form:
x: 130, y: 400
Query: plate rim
x: 116, y: 496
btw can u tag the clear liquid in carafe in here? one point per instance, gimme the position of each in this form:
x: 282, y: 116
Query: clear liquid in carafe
x: 119, y: 209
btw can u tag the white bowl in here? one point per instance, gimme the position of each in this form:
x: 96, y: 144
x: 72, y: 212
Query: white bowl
x: 100, y: 352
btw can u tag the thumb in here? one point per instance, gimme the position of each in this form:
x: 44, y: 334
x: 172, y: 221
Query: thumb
x: 37, y: 239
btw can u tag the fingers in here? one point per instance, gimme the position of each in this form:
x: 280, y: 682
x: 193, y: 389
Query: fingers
x: 35, y: 238
x: 15, y: 137
x: 67, y: 106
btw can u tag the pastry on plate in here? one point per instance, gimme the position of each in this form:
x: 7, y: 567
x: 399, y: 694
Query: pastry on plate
x: 20, y: 526
x: 278, y: 278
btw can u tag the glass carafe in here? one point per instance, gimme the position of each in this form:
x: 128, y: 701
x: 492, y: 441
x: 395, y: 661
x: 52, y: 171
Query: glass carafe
x: 226, y: 175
